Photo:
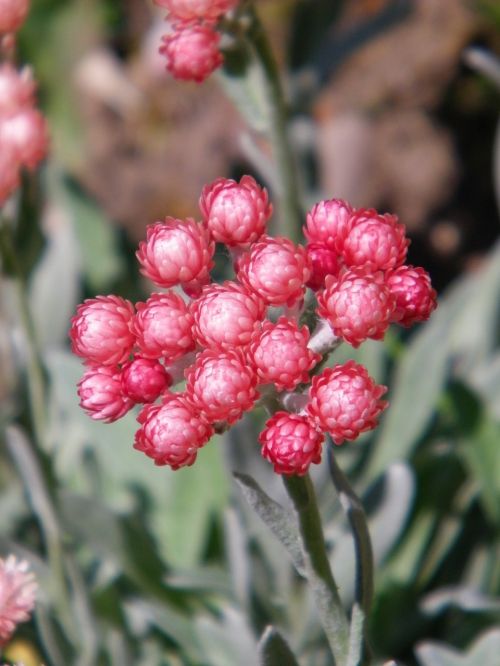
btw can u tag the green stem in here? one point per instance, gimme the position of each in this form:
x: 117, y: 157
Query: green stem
x: 319, y: 573
x: 291, y: 212
x: 362, y: 543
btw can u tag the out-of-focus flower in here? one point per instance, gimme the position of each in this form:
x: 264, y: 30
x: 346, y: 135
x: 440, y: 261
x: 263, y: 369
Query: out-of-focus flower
x: 189, y: 10
x: 12, y: 14
x: 17, y: 89
x: 17, y: 595
x: 25, y: 134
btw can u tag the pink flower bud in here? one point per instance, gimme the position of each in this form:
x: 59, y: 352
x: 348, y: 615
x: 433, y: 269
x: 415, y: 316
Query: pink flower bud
x: 275, y: 269
x: 17, y: 89
x: 144, y: 379
x: 291, y: 443
x: 328, y: 222
x: 12, y: 14
x: 100, y: 330
x: 235, y: 214
x: 177, y: 252
x: 192, y: 52
x: 163, y: 327
x: 17, y: 595
x: 345, y: 401
x: 415, y: 297
x: 101, y: 395
x: 189, y: 10
x: 357, y: 306
x: 171, y: 433
x: 375, y: 242
x: 226, y: 315
x: 280, y: 354
x: 221, y: 385
x: 9, y: 174
x: 324, y: 261
x: 25, y: 134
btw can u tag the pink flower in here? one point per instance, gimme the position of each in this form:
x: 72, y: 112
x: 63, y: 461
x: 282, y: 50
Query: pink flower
x: 235, y: 214
x: 324, y: 261
x: 291, y: 443
x: 17, y: 89
x: 375, y: 242
x: 415, y: 297
x: 100, y: 330
x: 17, y: 595
x: 12, y: 14
x: 192, y: 52
x: 177, y: 252
x: 328, y: 222
x: 163, y: 327
x: 189, y: 10
x: 101, y: 395
x: 280, y: 354
x: 226, y: 315
x: 171, y: 433
x: 356, y: 306
x: 275, y: 269
x: 221, y: 385
x: 25, y: 134
x: 9, y: 174
x: 144, y: 379
x: 345, y: 401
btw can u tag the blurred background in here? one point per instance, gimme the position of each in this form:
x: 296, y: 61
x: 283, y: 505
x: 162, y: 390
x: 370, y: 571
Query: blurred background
x: 394, y: 105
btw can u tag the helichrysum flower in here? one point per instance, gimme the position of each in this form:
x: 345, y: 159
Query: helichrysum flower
x: 189, y: 10
x: 235, y: 213
x: 172, y: 433
x: 276, y: 269
x: 221, y: 385
x: 357, y: 306
x: 324, y: 261
x: 101, y: 395
x: 100, y: 331
x: 17, y: 595
x: 345, y: 401
x: 280, y: 354
x: 226, y: 315
x: 163, y: 327
x: 177, y: 252
x: 328, y: 222
x: 192, y: 51
x: 12, y: 15
x: 415, y: 297
x: 291, y: 443
x: 144, y: 379
x: 25, y: 134
x: 17, y: 89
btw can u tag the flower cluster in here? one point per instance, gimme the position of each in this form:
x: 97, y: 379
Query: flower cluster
x: 192, y: 48
x: 23, y: 130
x: 243, y: 341
x: 17, y: 595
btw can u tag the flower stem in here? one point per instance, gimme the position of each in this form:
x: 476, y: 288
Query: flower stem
x: 291, y: 209
x: 319, y: 573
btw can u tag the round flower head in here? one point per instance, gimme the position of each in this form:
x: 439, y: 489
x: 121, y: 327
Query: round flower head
x: 177, y: 252
x: 17, y: 595
x: 17, y: 89
x: 101, y: 395
x: 345, y: 401
x: 12, y: 14
x: 375, y: 242
x: 328, y: 223
x: 415, y: 297
x: 280, y: 354
x: 290, y: 443
x: 144, y: 379
x: 9, y: 174
x: 25, y: 133
x: 226, y: 315
x: 324, y: 261
x: 275, y: 269
x: 221, y: 385
x: 235, y: 214
x: 171, y: 433
x: 189, y: 10
x: 163, y: 327
x: 356, y: 306
x: 100, y: 330
x: 192, y: 52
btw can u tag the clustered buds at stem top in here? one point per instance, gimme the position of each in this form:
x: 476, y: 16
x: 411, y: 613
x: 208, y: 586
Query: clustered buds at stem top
x: 228, y: 341
x: 17, y: 595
